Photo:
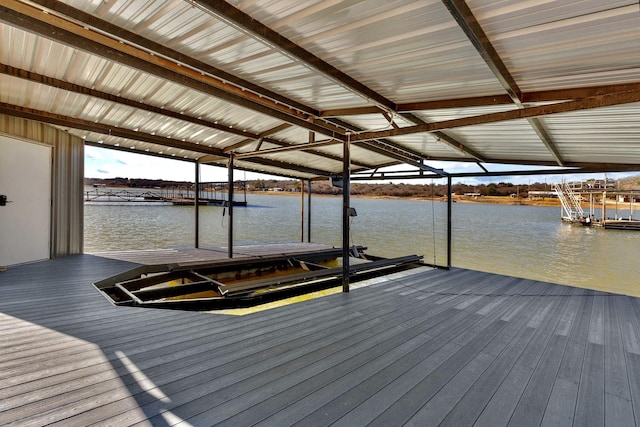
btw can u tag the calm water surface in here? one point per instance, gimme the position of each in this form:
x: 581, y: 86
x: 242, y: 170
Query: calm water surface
x: 522, y: 241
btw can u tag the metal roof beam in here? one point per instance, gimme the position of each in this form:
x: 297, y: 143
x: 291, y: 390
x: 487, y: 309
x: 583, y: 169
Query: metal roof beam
x: 287, y: 166
x: 447, y: 139
x: 306, y: 148
x: 471, y: 27
x: 552, y: 95
x: 565, y: 170
x: 71, y: 87
x: 288, y: 148
x: 443, y: 104
x: 259, y: 168
x: 163, y: 50
x: 261, y: 136
x: 524, y: 113
x: 578, y: 92
x: 355, y: 111
x: 392, y: 147
x: 67, y: 32
x: 251, y: 137
x: 235, y: 16
x: 90, y: 126
x: 474, y: 32
x: 416, y: 163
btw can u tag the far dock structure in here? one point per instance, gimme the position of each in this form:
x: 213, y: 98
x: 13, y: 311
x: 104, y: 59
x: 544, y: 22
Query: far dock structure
x: 573, y: 195
x: 209, y: 194
x: 310, y: 91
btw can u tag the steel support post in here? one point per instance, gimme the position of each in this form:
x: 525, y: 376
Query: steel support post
x: 309, y: 211
x: 196, y: 206
x: 449, y: 206
x: 346, y: 190
x: 230, y: 207
x: 302, y: 211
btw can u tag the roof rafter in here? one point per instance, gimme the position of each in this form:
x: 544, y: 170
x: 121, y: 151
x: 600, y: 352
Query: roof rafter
x: 260, y: 137
x: 167, y: 52
x: 71, y: 87
x: 71, y: 34
x: 251, y: 137
x: 524, y: 113
x: 471, y: 27
x: 212, y: 154
x: 305, y: 148
x: 552, y: 95
x: 287, y: 148
x: 288, y: 166
x: 231, y: 14
x: 90, y: 126
x: 448, y: 140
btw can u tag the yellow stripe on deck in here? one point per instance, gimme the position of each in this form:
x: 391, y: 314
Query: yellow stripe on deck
x: 279, y: 303
x: 313, y: 295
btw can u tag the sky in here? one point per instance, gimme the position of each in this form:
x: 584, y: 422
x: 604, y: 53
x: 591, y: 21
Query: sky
x: 106, y: 163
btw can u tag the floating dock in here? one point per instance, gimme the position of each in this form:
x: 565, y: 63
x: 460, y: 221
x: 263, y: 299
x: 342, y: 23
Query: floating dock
x: 209, y: 194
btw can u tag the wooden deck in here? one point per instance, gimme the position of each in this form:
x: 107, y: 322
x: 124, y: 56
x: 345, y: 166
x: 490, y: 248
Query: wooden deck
x: 430, y: 347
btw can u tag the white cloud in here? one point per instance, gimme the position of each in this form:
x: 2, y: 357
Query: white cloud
x: 107, y: 163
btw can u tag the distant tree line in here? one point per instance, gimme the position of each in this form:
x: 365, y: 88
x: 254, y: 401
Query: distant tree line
x: 391, y: 189
x: 382, y: 189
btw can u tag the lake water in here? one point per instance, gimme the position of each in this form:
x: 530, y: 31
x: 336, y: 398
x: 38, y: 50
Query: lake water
x: 521, y: 241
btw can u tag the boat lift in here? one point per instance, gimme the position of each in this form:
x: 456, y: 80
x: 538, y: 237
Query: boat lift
x: 572, y: 211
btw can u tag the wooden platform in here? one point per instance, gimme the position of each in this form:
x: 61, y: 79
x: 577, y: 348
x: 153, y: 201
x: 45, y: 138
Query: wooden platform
x: 426, y: 348
x: 185, y: 256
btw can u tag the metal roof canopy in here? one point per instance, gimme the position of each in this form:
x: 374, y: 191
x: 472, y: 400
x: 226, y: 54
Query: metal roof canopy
x: 282, y: 86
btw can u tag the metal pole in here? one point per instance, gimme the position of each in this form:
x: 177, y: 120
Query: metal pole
x: 196, y: 205
x: 301, y: 211
x: 230, y: 207
x: 309, y: 211
x: 312, y: 139
x: 449, y: 205
x: 346, y: 189
x: 604, y: 208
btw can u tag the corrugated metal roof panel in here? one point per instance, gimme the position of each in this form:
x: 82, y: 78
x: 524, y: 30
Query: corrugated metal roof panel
x: 600, y: 135
x: 504, y: 140
x: 390, y: 46
x: 555, y: 44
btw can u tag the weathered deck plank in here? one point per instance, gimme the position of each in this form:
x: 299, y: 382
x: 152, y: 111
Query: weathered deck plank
x: 426, y: 347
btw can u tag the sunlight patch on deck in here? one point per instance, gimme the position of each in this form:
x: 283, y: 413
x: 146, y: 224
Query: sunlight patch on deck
x: 41, y: 376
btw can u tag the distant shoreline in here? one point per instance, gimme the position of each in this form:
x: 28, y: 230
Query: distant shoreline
x: 487, y: 200
x: 495, y: 200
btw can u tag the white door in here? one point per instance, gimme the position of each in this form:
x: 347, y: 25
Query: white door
x: 25, y: 180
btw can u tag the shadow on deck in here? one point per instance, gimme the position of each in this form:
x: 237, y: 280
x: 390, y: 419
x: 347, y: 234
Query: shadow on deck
x: 423, y: 347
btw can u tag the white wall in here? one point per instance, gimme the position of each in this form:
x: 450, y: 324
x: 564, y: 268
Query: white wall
x: 25, y: 177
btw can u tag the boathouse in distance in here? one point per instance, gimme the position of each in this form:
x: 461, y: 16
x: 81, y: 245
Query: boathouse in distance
x: 315, y: 90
